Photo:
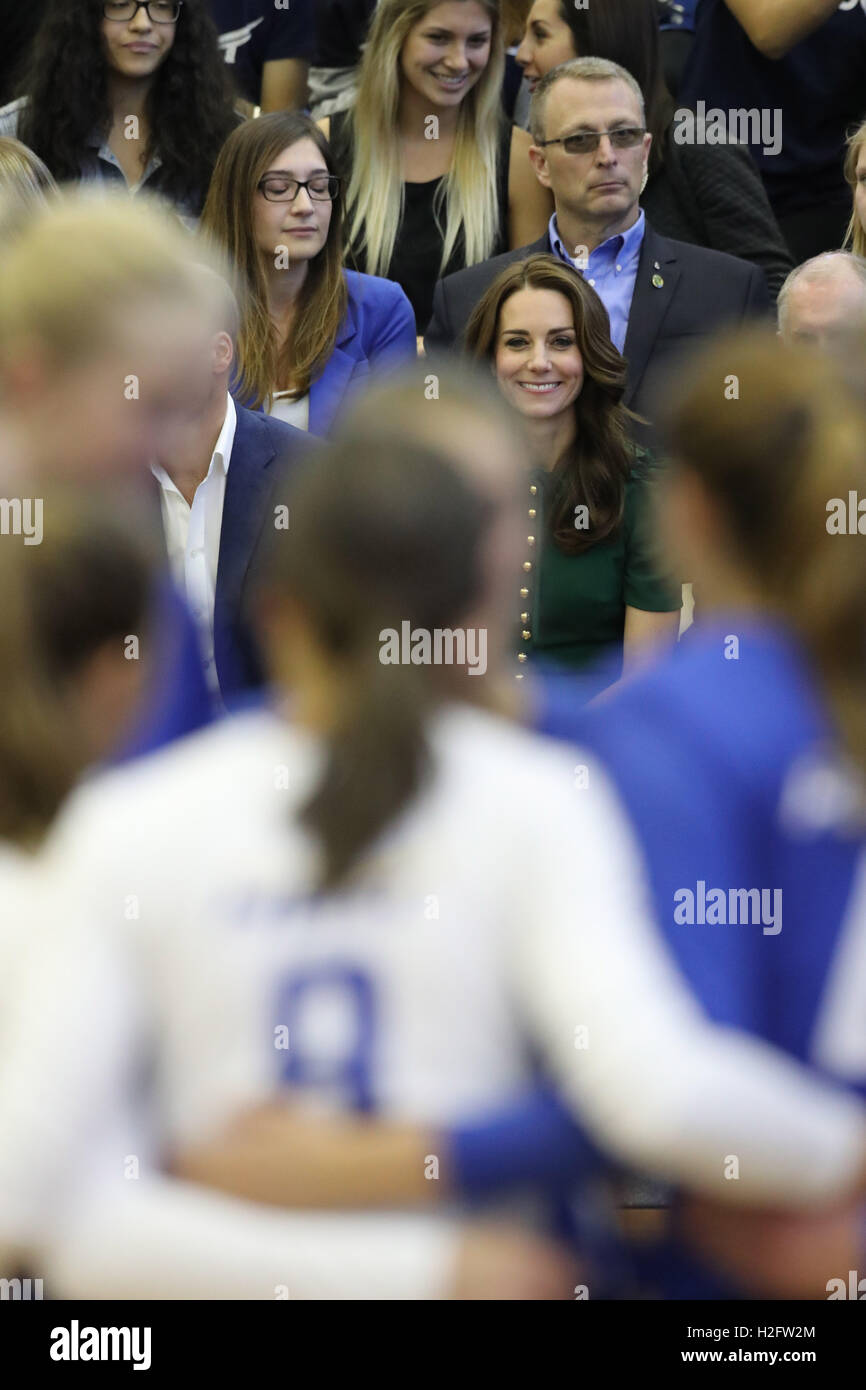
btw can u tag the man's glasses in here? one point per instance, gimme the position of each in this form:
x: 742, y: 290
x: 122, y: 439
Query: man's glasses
x: 322, y: 189
x: 158, y: 11
x: 587, y: 141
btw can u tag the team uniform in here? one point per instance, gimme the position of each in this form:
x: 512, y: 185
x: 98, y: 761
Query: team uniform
x: 502, y: 917
x: 723, y: 757
x: 81, y: 1196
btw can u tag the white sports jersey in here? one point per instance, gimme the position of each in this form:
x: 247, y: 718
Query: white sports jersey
x: 79, y: 1194
x: 504, y: 912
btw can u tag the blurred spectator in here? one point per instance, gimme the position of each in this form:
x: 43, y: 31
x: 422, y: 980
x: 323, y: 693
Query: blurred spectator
x: 800, y: 66
x: 216, y: 488
x: 823, y: 302
x: 25, y: 183
x: 660, y: 295
x: 127, y: 94
x: 102, y: 352
x: 436, y: 177
x: 709, y: 195
x: 311, y: 331
x: 591, y: 589
x: 268, y: 49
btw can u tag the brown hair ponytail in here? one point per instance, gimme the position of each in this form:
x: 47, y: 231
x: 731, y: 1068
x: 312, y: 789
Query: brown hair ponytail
x: 776, y: 457
x: 378, y: 537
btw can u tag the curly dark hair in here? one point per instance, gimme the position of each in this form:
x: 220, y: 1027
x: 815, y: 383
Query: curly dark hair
x: 190, y: 104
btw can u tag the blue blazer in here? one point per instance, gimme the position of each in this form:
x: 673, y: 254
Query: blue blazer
x: 263, y: 451
x: 379, y: 327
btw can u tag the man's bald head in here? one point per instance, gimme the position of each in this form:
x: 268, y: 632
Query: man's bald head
x: 823, y: 302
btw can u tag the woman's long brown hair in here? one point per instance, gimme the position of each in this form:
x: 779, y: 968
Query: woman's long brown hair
x: 381, y: 533
x: 594, y: 471
x: 228, y: 220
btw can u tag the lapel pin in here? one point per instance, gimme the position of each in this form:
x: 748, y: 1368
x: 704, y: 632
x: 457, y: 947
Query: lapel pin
x: 658, y: 281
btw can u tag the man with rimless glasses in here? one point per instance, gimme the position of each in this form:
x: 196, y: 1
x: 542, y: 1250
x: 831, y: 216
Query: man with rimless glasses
x: 590, y: 148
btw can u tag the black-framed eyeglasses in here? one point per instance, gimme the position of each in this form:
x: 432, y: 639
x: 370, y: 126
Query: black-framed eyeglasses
x: 323, y: 188
x: 625, y: 137
x: 158, y: 11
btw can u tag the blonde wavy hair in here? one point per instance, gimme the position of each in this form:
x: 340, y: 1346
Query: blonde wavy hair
x: 855, y: 236
x: 467, y: 195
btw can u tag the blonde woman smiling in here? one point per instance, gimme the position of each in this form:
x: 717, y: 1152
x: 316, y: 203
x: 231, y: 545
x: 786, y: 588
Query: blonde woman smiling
x: 436, y: 177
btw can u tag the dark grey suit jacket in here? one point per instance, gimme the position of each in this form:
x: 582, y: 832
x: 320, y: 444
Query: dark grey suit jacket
x: 701, y: 292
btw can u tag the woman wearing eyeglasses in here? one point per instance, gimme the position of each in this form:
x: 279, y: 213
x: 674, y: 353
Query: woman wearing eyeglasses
x: 125, y: 92
x: 437, y: 177
x: 311, y: 330
x: 707, y: 194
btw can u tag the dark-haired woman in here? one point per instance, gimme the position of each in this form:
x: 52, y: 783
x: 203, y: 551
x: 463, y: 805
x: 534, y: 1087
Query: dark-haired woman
x: 591, y: 586
x: 127, y: 93
x: 709, y: 195
x: 311, y: 331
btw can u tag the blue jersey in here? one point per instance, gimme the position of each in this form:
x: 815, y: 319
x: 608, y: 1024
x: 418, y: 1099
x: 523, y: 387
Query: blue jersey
x: 723, y: 757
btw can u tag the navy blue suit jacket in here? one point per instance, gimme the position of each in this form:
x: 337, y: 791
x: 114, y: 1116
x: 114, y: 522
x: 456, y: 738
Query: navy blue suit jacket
x: 263, y: 455
x: 264, y: 452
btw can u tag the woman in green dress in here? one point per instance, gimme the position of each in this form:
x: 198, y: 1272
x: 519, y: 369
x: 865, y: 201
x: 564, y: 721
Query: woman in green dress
x: 592, y: 595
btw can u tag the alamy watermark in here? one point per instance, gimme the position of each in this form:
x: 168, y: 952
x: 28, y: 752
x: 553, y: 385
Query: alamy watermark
x: 704, y: 906
x: 22, y: 516
x: 737, y: 126
x: 440, y: 646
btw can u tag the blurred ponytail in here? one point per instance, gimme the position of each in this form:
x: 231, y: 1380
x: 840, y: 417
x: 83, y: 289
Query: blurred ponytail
x: 773, y: 459
x: 378, y: 536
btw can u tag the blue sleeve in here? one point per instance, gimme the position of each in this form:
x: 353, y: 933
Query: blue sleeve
x: 177, y: 700
x: 394, y: 337
x: 535, y: 1140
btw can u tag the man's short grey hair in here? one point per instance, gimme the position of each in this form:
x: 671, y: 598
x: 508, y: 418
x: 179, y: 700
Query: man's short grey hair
x: 585, y: 70
x: 830, y: 265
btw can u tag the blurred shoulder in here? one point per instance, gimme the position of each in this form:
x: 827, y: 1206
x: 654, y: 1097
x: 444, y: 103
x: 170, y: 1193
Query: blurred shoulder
x: 191, y: 781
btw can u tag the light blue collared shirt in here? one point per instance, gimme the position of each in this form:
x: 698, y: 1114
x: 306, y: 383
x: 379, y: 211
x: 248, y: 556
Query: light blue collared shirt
x: 611, y: 269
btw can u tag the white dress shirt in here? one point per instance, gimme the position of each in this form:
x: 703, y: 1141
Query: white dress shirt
x: 192, y: 536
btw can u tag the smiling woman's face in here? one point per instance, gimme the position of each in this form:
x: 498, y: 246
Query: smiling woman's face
x: 446, y: 52
x: 137, y: 47
x: 547, y: 41
x: 537, y: 361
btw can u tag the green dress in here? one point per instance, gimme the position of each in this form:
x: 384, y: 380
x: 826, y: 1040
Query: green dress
x: 572, y: 607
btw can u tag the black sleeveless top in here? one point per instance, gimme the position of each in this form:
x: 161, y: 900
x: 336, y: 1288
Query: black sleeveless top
x: 418, y: 248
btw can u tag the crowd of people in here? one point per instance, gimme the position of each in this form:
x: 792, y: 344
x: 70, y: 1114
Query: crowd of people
x: 433, y: 720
